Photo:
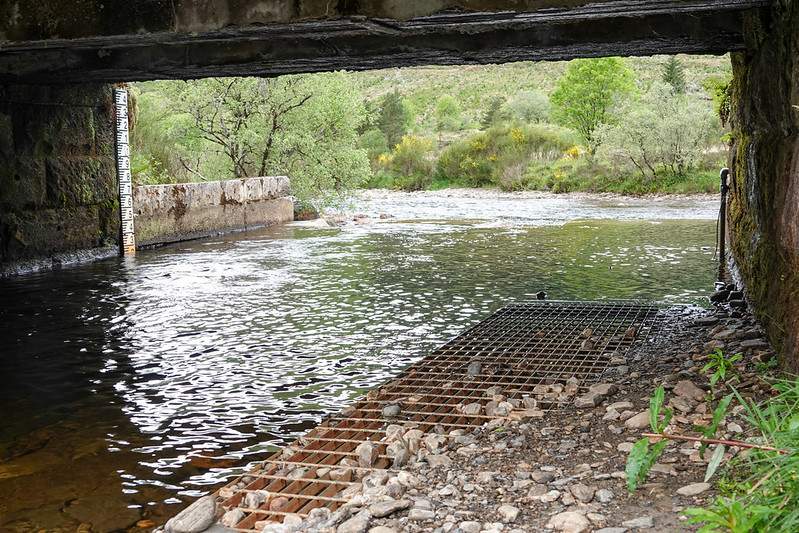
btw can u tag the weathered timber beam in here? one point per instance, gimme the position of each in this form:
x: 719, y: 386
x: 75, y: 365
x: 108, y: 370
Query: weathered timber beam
x: 632, y: 27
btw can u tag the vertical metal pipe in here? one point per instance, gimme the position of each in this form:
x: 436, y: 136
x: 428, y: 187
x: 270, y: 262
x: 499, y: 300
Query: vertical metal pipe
x: 722, y: 236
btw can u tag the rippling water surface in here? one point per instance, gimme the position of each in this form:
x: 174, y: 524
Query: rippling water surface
x: 132, y: 385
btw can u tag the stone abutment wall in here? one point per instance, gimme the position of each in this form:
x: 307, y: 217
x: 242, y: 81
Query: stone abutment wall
x: 58, y: 191
x: 764, y: 209
x: 178, y: 212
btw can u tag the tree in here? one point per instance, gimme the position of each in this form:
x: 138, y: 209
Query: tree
x: 319, y: 148
x: 674, y: 74
x: 448, y: 114
x: 662, y: 133
x: 529, y: 106
x: 303, y: 126
x: 242, y: 117
x: 493, y: 112
x: 586, y: 93
x: 395, y: 117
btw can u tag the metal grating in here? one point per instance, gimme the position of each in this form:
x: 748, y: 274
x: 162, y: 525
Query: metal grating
x: 520, y: 347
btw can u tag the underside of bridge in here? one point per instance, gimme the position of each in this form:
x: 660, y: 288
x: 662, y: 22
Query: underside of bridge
x: 57, y: 58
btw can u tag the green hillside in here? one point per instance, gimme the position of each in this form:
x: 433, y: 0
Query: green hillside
x: 632, y: 125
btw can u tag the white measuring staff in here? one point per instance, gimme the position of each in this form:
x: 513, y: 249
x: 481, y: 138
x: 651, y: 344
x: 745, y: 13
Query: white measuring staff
x: 128, y: 242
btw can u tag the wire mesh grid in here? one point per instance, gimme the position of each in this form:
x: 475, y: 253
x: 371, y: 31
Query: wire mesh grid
x: 518, y: 352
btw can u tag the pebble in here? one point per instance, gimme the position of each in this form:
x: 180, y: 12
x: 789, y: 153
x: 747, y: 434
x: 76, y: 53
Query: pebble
x: 391, y: 410
x: 604, y: 495
x: 357, y: 524
x: 639, y: 523
x: 421, y: 514
x: 508, y: 513
x: 470, y: 526
x: 474, y: 368
x: 687, y: 389
x: 542, y: 477
x: 693, y: 489
x: 569, y: 522
x: 382, y: 509
x: 625, y: 447
x: 639, y: 421
x: 382, y: 529
x: 367, y: 454
x: 582, y: 492
x: 232, y: 517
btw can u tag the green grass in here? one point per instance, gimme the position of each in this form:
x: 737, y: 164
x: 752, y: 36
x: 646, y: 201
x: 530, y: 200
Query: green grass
x: 760, y: 487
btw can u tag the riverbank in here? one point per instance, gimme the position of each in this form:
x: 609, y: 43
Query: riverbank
x: 565, y: 471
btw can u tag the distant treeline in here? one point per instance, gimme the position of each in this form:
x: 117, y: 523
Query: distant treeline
x: 626, y: 125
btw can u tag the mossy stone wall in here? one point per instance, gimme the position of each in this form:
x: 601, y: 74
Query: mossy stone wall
x: 58, y: 189
x: 764, y: 206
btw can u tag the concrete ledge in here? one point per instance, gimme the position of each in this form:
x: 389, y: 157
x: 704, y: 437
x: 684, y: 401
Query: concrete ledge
x: 183, y: 211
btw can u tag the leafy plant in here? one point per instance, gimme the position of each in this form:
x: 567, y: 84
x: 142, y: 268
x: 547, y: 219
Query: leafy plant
x: 727, y: 514
x: 644, y: 454
x: 766, y: 496
x: 709, y: 431
x: 719, y: 366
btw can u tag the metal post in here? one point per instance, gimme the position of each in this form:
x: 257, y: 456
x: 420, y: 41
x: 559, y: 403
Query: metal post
x: 722, y: 236
x: 127, y: 241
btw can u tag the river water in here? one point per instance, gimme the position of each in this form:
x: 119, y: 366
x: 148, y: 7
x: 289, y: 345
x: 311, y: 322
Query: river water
x: 130, y: 386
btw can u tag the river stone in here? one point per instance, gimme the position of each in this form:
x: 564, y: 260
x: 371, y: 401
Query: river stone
x: 253, y: 500
x: 434, y: 442
x: 391, y: 411
x: 474, y: 368
x: 367, y: 454
x: 398, y: 452
x: 471, y: 408
x: 357, y: 524
x: 232, y: 517
x: 194, y: 518
x: 382, y: 509
x: 569, y: 522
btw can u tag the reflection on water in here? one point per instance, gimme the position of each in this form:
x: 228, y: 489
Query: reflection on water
x: 132, y: 385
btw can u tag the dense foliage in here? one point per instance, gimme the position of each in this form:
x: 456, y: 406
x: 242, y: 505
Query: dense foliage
x: 587, y: 92
x: 634, y: 125
x: 302, y: 126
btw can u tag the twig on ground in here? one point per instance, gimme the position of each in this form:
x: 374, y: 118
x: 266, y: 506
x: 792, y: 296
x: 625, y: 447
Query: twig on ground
x: 736, y: 443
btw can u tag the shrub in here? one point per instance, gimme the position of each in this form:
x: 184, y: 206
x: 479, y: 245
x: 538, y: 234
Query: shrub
x: 375, y: 143
x: 663, y: 134
x: 499, y: 155
x: 528, y: 106
x: 409, y: 166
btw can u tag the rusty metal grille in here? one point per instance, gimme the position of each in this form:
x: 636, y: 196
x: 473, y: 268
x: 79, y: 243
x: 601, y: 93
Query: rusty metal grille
x: 521, y: 346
